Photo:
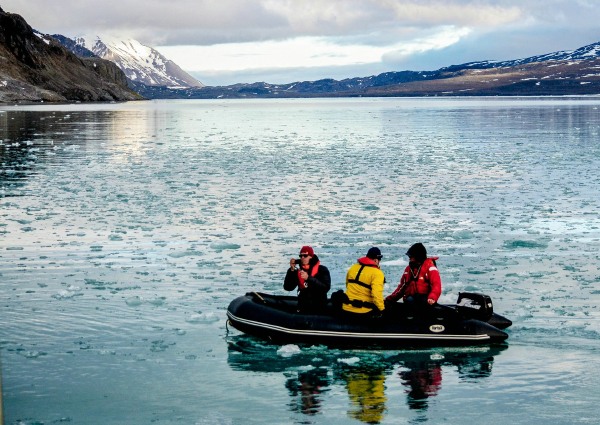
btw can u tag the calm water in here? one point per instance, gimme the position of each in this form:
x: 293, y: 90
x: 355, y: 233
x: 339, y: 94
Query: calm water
x: 126, y: 229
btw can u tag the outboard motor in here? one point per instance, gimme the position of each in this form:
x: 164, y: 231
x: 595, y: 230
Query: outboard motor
x: 475, y: 306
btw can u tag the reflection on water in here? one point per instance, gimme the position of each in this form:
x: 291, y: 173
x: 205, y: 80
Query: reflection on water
x: 31, y: 139
x: 305, y: 390
x: 372, y: 379
x: 366, y: 390
x: 423, y: 380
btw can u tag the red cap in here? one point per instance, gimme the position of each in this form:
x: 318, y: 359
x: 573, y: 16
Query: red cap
x: 307, y: 250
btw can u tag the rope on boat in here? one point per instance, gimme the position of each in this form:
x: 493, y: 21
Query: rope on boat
x: 257, y: 295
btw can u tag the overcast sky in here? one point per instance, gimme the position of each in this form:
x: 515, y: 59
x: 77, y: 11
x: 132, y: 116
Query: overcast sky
x: 222, y: 42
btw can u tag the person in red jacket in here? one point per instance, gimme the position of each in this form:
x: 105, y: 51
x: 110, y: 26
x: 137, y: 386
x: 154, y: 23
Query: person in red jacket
x: 420, y: 283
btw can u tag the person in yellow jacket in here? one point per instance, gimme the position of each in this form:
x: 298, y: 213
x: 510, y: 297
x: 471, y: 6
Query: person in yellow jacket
x: 364, y: 286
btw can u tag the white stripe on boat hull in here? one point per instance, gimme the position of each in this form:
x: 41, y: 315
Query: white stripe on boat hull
x: 358, y: 335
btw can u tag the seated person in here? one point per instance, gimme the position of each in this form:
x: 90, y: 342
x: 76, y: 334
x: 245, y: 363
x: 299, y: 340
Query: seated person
x: 420, y: 284
x: 312, y: 280
x: 364, y: 286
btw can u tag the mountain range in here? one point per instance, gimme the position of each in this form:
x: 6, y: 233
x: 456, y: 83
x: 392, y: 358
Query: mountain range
x: 38, y: 67
x: 574, y: 72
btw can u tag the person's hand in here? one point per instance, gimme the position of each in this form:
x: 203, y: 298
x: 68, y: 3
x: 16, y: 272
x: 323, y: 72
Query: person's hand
x: 292, y: 264
x: 303, y: 275
x: 430, y: 301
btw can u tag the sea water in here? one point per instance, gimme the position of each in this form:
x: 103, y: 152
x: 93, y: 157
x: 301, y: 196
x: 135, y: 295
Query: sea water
x: 126, y: 229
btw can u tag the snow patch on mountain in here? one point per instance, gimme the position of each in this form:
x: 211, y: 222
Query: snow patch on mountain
x: 140, y: 63
x: 588, y: 52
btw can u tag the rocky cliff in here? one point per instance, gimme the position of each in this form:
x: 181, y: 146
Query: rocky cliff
x: 34, y: 68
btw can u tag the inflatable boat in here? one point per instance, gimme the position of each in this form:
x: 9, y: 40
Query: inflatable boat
x: 471, y: 321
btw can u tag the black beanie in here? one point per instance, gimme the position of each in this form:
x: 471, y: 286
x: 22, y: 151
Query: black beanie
x: 417, y: 251
x: 374, y: 253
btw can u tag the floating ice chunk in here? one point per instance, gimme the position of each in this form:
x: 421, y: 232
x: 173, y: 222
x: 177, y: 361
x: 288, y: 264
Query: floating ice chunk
x: 157, y: 301
x: 202, y: 318
x: 32, y: 354
x: 464, y: 234
x: 306, y: 368
x: 134, y: 301
x: 187, y: 253
x: 514, y: 244
x: 350, y: 361
x: 224, y: 245
x: 288, y: 350
x: 70, y: 292
x: 159, y: 346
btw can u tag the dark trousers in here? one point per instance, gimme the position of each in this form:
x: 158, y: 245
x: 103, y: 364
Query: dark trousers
x: 417, y: 304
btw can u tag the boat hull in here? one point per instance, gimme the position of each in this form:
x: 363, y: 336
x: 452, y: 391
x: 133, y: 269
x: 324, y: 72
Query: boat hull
x: 275, y: 318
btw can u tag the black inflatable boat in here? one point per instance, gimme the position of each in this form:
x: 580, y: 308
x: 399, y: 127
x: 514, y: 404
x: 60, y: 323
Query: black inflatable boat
x: 471, y: 321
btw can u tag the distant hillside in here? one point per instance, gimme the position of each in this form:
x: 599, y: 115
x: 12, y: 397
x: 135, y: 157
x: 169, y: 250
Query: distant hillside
x: 561, y: 73
x: 34, y: 68
x: 589, y: 52
x: 554, y: 77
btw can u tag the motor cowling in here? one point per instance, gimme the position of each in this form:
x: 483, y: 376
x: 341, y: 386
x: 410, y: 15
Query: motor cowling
x: 475, y: 306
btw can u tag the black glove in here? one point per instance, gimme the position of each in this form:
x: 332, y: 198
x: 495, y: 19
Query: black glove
x: 377, y: 314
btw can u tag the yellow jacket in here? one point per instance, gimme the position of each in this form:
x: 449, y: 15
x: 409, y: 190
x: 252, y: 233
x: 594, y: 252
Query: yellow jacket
x: 367, y: 288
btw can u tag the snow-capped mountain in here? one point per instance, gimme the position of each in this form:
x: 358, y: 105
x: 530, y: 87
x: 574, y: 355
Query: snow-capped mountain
x: 141, y: 64
x: 591, y: 51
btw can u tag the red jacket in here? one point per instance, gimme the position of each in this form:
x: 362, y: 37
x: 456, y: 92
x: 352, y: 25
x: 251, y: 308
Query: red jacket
x: 426, y: 282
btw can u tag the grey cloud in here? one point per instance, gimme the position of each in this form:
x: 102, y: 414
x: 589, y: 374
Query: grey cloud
x: 219, y: 21
x: 500, y: 29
